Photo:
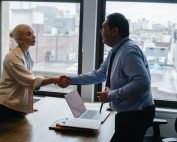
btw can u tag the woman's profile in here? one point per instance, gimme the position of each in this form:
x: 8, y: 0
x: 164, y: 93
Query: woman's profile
x: 17, y: 80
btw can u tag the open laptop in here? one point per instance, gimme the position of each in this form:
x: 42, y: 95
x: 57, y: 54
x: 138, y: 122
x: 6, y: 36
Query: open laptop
x: 79, y: 110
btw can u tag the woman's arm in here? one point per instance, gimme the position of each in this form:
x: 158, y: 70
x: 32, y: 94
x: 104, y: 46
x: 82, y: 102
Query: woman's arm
x: 50, y: 80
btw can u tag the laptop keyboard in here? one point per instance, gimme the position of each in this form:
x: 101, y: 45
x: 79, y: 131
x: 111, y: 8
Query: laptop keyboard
x: 89, y: 114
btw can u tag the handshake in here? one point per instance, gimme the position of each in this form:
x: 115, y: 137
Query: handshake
x: 64, y: 81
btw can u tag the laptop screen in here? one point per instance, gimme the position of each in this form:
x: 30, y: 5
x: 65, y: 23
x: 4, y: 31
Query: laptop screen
x: 75, y: 103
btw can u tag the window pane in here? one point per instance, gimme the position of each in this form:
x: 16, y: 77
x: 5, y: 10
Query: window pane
x: 154, y: 27
x: 56, y: 27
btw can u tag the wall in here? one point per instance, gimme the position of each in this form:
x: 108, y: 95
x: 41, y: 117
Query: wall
x: 88, y: 44
x: 5, y: 25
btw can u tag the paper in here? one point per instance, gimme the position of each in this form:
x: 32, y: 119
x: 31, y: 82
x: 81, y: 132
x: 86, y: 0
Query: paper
x: 79, y: 123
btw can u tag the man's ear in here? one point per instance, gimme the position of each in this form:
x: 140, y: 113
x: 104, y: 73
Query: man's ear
x: 115, y: 31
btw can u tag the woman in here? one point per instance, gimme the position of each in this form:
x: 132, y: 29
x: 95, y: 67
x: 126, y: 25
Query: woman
x: 18, y: 82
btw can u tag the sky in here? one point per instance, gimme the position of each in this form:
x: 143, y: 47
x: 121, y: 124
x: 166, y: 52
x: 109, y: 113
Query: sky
x: 157, y: 12
x: 71, y: 7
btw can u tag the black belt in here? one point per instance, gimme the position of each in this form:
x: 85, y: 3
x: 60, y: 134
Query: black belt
x: 149, y: 107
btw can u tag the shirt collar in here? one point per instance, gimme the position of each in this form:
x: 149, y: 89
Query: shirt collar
x: 18, y: 52
x: 116, y: 46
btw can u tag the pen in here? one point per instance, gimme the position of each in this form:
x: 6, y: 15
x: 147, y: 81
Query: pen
x: 101, y: 102
x: 101, y: 107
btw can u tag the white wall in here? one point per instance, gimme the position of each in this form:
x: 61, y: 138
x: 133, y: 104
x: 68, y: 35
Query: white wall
x: 5, y: 26
x: 88, y: 44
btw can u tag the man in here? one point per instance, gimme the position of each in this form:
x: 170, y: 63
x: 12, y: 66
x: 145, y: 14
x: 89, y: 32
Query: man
x: 127, y: 81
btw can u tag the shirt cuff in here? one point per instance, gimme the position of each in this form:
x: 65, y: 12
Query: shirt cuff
x: 111, y: 95
x: 72, y: 80
x: 38, y: 81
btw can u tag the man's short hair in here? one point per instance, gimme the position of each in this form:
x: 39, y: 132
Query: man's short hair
x: 118, y: 20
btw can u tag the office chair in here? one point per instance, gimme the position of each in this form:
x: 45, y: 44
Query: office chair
x: 171, y: 139
x: 156, y: 131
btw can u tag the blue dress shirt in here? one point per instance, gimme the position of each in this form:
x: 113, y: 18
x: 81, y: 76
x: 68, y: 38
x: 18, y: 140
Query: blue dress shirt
x: 130, y: 78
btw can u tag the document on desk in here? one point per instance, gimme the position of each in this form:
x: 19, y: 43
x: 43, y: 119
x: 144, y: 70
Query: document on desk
x: 72, y: 123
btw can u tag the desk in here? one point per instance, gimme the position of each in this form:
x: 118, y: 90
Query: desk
x: 34, y: 127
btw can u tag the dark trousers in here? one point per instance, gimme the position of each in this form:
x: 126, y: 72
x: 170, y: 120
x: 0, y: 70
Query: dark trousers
x: 131, y: 126
x: 7, y: 113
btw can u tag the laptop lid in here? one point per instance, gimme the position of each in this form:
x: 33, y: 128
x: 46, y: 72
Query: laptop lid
x: 78, y: 108
x: 75, y: 103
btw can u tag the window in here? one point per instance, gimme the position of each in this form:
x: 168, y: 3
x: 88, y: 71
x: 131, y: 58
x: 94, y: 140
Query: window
x: 154, y: 27
x: 56, y: 26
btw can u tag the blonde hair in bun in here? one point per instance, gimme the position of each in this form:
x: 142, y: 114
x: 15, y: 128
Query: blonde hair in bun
x: 17, y: 32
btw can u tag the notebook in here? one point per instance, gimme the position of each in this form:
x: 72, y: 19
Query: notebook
x: 78, y: 123
x: 75, y: 124
x: 79, y: 109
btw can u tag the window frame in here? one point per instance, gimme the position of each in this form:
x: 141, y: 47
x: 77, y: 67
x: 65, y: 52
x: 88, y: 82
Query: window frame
x: 48, y: 93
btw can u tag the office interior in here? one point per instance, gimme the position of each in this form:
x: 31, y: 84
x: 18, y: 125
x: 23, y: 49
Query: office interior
x: 69, y: 42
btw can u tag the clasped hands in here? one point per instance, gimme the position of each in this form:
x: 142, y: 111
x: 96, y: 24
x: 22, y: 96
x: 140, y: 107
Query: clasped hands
x: 63, y: 81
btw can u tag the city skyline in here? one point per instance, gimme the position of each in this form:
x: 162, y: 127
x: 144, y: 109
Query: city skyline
x: 71, y: 7
x: 161, y: 12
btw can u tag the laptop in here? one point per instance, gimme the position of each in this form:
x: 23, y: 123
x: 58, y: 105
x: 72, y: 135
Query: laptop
x: 79, y: 109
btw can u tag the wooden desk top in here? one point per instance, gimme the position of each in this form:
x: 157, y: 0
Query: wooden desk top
x: 35, y: 126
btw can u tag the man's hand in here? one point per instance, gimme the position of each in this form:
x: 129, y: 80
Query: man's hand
x: 64, y: 81
x: 103, y: 96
